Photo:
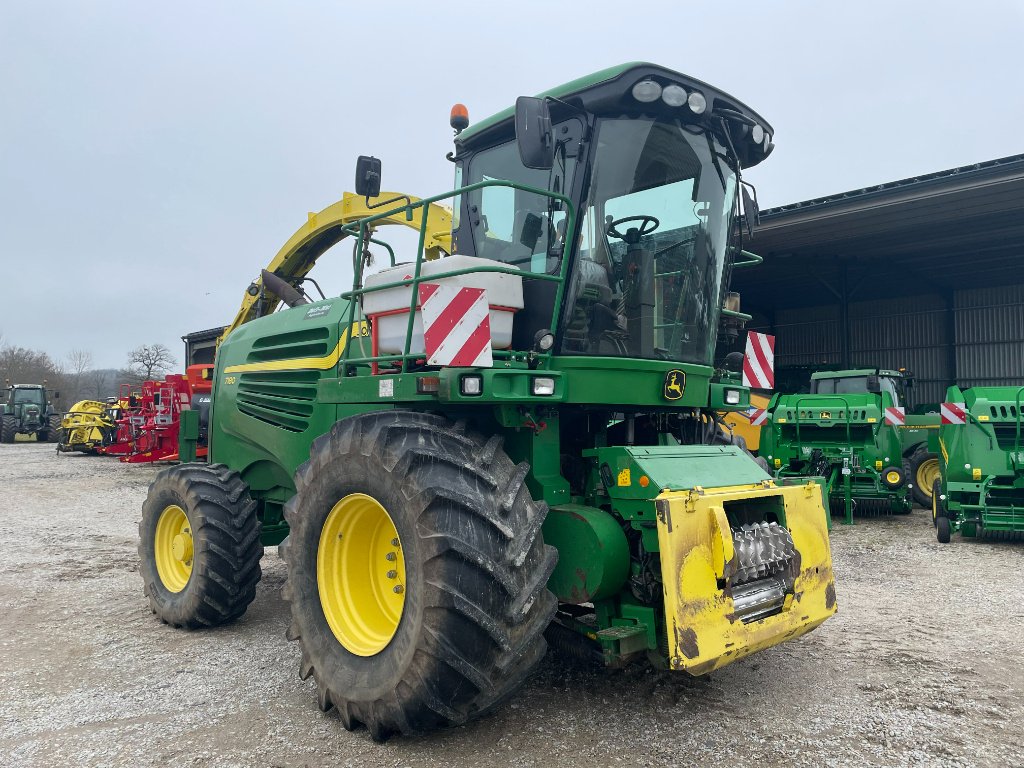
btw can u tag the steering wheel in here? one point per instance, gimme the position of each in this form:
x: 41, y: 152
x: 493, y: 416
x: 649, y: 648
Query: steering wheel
x: 642, y: 230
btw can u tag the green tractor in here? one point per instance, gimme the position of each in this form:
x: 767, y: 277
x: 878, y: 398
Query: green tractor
x: 845, y: 431
x: 981, y: 489
x: 467, y: 457
x: 29, y: 410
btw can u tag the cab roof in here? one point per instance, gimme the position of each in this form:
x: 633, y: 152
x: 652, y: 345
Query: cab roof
x: 819, y: 375
x: 610, y: 89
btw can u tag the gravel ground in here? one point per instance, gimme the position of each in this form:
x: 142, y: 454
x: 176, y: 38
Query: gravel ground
x: 921, y: 666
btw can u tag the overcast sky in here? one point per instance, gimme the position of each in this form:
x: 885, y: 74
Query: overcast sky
x: 154, y: 156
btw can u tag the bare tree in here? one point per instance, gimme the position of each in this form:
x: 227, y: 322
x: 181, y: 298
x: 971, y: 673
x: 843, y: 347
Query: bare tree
x: 79, y: 364
x: 103, y: 383
x: 149, y: 362
x: 27, y: 366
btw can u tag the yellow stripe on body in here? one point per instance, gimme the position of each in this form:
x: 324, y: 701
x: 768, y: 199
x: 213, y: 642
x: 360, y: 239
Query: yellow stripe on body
x: 945, y: 453
x: 303, y: 363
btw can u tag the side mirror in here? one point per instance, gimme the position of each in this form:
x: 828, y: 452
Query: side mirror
x: 367, y: 176
x: 751, y: 213
x: 874, y: 385
x: 534, y: 136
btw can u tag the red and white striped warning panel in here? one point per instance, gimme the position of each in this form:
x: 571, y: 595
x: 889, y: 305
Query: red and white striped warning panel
x: 759, y: 361
x: 953, y: 413
x: 757, y: 416
x: 456, y: 326
x: 896, y: 416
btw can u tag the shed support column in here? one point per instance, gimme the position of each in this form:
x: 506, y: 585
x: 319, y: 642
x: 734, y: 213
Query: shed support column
x: 950, y: 338
x: 844, y: 314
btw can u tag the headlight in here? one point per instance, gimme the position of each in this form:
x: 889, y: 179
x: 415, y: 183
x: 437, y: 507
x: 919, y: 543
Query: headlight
x: 646, y: 91
x: 471, y: 385
x: 544, y: 340
x: 757, y: 134
x: 697, y: 103
x: 732, y: 397
x: 674, y: 95
x: 543, y: 385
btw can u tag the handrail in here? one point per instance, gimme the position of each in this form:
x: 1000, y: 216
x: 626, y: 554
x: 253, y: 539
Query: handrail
x: 752, y: 260
x: 358, y: 289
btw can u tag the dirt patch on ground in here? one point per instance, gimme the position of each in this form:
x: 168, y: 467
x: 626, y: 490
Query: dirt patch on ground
x: 921, y: 666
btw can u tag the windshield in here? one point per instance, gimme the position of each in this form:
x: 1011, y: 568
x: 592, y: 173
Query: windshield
x: 655, y: 226
x: 512, y: 225
x: 856, y: 385
x: 28, y: 396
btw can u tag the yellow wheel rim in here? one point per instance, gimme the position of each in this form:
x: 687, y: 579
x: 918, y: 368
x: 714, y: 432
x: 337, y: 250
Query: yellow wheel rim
x: 360, y: 574
x: 893, y: 477
x: 926, y: 475
x: 173, y: 548
x: 935, y: 508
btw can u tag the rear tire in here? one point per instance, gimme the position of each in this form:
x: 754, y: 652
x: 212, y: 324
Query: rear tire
x: 199, y: 543
x: 8, y: 428
x: 942, y: 530
x: 469, y: 629
x: 923, y: 467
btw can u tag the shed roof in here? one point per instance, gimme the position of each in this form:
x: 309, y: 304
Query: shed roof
x: 963, y: 227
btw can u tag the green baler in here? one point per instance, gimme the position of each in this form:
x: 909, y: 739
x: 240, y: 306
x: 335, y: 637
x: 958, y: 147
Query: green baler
x: 982, y: 483
x: 440, y: 520
x: 840, y: 432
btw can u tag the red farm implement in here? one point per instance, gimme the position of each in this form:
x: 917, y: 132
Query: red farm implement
x: 148, y: 418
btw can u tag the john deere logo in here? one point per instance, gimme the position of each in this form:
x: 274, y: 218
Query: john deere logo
x: 675, y: 384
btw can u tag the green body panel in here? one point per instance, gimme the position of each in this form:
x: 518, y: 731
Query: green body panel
x: 262, y: 422
x: 982, y: 461
x: 677, y: 468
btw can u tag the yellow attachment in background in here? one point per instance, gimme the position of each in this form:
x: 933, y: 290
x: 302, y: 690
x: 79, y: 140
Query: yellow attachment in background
x: 82, y: 425
x: 321, y: 232
x: 697, y: 554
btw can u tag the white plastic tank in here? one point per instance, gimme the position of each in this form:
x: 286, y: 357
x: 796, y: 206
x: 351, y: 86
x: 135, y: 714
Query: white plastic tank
x: 388, y: 310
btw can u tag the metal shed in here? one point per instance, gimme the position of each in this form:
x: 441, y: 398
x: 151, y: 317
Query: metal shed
x: 924, y: 273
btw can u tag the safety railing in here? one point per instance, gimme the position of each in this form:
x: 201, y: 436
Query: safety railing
x: 361, y: 230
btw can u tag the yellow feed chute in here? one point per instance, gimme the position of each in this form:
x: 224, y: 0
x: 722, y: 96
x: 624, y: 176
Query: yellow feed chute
x: 323, y: 230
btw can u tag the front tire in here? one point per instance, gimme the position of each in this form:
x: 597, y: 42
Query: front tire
x: 199, y: 546
x: 445, y: 516
x: 943, y: 530
x: 8, y: 429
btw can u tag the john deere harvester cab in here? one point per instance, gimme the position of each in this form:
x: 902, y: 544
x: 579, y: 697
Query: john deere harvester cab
x: 28, y: 410
x: 519, y: 437
x: 981, y: 489
x: 845, y: 431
